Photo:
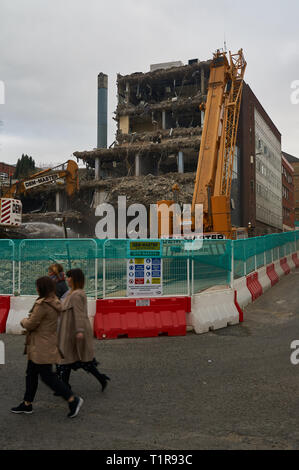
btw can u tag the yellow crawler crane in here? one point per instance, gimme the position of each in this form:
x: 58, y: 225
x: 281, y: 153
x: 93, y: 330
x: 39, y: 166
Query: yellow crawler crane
x: 216, y: 157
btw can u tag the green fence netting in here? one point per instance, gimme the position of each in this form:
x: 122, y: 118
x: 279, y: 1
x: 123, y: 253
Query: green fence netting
x: 251, y: 254
x: 7, y: 265
x: 35, y: 256
x: 188, y: 266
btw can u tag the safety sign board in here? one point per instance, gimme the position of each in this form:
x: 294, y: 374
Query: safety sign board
x: 144, y: 277
x: 143, y: 249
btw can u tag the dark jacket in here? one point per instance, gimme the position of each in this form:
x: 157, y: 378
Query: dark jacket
x: 60, y: 288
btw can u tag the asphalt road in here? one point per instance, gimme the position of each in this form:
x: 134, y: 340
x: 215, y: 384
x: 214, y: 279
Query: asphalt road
x: 231, y: 389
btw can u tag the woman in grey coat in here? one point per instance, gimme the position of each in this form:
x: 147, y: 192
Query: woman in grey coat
x: 75, y: 335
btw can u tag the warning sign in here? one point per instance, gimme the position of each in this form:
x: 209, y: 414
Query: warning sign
x: 144, y: 277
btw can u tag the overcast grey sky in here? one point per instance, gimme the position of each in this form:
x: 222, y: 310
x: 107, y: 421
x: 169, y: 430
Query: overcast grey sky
x: 52, y: 50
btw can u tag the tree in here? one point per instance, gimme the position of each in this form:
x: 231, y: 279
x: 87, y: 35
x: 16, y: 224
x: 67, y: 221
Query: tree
x: 25, y: 167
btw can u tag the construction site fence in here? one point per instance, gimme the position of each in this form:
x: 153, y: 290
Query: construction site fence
x: 188, y: 267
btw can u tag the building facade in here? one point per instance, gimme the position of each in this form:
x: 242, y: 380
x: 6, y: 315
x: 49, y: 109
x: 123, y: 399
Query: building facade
x: 288, y: 196
x: 260, y: 155
x: 6, y: 171
x: 294, y: 162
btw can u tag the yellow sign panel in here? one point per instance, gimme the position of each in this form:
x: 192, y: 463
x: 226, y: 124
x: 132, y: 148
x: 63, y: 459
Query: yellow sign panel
x: 156, y: 281
x: 145, y: 246
x: 139, y: 261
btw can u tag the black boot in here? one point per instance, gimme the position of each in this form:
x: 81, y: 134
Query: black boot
x: 102, y: 378
x: 63, y: 372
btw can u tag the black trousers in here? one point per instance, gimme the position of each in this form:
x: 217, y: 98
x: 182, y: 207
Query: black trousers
x: 48, y: 377
x: 64, y: 371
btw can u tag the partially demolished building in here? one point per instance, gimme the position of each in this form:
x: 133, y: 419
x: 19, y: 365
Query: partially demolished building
x: 159, y: 122
x: 160, y: 116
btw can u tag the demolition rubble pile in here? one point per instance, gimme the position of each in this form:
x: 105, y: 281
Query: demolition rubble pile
x: 147, y: 189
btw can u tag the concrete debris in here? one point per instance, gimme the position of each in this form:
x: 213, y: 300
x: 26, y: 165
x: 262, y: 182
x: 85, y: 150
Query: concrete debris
x: 147, y: 189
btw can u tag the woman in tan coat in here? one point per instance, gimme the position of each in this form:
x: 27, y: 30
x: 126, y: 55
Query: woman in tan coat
x: 75, y: 334
x: 42, y: 351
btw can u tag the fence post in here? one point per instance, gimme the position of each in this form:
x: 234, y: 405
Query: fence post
x: 188, y: 276
x: 232, y: 273
x: 104, y: 278
x: 255, y: 260
x: 96, y: 277
x: 192, y: 280
x: 265, y: 257
x: 13, y: 268
x: 19, y: 283
x: 13, y: 277
x: 104, y: 270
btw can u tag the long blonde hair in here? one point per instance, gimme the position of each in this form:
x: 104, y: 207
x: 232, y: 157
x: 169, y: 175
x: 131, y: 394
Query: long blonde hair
x: 56, y: 268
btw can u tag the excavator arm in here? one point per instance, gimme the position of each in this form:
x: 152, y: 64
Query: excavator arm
x: 46, y: 177
x: 11, y: 206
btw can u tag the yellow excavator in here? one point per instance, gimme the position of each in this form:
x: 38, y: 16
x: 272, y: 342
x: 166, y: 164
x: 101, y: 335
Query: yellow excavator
x: 10, y: 204
x: 216, y: 157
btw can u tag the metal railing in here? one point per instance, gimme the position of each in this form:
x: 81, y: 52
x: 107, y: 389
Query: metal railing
x: 187, y: 268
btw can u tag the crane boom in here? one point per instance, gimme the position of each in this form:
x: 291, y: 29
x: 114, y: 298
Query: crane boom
x: 212, y: 189
x: 220, y: 201
x: 216, y: 157
x: 210, y: 141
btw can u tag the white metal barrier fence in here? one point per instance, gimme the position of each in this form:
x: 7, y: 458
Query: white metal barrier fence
x: 185, y: 271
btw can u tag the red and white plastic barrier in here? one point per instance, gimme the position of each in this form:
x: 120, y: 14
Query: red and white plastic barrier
x: 284, y: 264
x: 244, y: 296
x: 92, y: 308
x: 295, y: 259
x: 272, y: 275
x: 213, y: 310
x: 278, y: 269
x: 4, y: 311
x: 291, y: 262
x: 264, y: 279
x: 20, y: 307
x: 141, y: 318
x: 254, y: 286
